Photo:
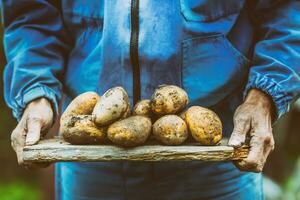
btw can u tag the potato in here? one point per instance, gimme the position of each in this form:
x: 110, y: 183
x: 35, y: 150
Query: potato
x: 168, y: 99
x: 204, y: 125
x: 170, y: 130
x: 83, y: 104
x: 81, y: 129
x: 132, y: 131
x: 143, y: 108
x: 112, y: 106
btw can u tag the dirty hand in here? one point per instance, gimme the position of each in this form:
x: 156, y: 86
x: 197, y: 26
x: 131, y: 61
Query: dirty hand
x: 253, y: 119
x: 36, y: 120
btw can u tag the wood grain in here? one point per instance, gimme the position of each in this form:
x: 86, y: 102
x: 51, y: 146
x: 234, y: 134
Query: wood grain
x: 57, y: 150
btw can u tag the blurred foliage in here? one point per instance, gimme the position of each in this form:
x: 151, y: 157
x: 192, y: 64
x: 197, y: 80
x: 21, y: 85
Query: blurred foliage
x: 283, y: 166
x: 17, y: 190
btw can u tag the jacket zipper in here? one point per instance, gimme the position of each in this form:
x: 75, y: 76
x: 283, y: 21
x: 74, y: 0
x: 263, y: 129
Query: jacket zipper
x: 134, y: 53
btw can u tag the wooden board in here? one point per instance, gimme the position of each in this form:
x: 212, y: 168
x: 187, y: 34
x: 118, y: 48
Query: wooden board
x: 57, y: 150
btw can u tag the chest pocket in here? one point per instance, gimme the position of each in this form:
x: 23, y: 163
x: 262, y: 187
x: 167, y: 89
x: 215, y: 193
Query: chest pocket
x: 209, y: 10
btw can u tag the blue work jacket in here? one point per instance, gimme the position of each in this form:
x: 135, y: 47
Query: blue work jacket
x: 215, y: 49
x: 209, y: 47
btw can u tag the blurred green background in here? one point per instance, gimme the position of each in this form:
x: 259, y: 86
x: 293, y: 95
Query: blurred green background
x: 282, y: 172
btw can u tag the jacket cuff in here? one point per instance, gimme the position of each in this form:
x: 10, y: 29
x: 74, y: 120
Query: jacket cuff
x: 35, y: 93
x: 280, y: 98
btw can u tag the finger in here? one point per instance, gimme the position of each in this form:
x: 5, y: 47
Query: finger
x: 261, y: 144
x: 261, y: 154
x: 18, y: 141
x: 33, y: 131
x: 253, y: 160
x: 241, y: 128
x: 260, y: 147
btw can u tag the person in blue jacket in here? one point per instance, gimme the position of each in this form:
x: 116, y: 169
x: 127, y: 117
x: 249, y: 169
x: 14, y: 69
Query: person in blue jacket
x: 240, y: 58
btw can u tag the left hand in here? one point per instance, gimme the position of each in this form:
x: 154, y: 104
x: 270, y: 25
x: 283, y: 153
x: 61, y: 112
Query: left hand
x: 254, y: 119
x: 36, y: 120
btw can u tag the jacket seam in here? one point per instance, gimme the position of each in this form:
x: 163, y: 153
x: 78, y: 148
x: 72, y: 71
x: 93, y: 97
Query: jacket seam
x: 83, y: 16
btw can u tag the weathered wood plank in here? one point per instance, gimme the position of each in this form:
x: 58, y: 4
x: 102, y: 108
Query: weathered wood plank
x: 56, y: 150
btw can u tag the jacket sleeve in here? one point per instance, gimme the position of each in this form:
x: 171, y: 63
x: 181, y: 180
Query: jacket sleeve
x: 36, y: 47
x: 276, y: 59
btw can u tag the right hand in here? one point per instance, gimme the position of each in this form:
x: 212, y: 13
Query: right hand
x: 36, y: 120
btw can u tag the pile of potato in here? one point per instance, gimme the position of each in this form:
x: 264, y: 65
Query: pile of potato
x: 91, y: 119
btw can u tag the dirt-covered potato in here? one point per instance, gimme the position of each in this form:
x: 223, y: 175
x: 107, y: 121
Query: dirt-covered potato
x: 204, y: 125
x: 112, y: 106
x: 168, y: 99
x: 81, y: 129
x: 83, y: 104
x: 170, y: 130
x: 132, y: 131
x: 143, y: 108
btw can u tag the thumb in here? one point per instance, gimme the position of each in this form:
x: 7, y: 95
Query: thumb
x: 238, y: 136
x: 33, y: 131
